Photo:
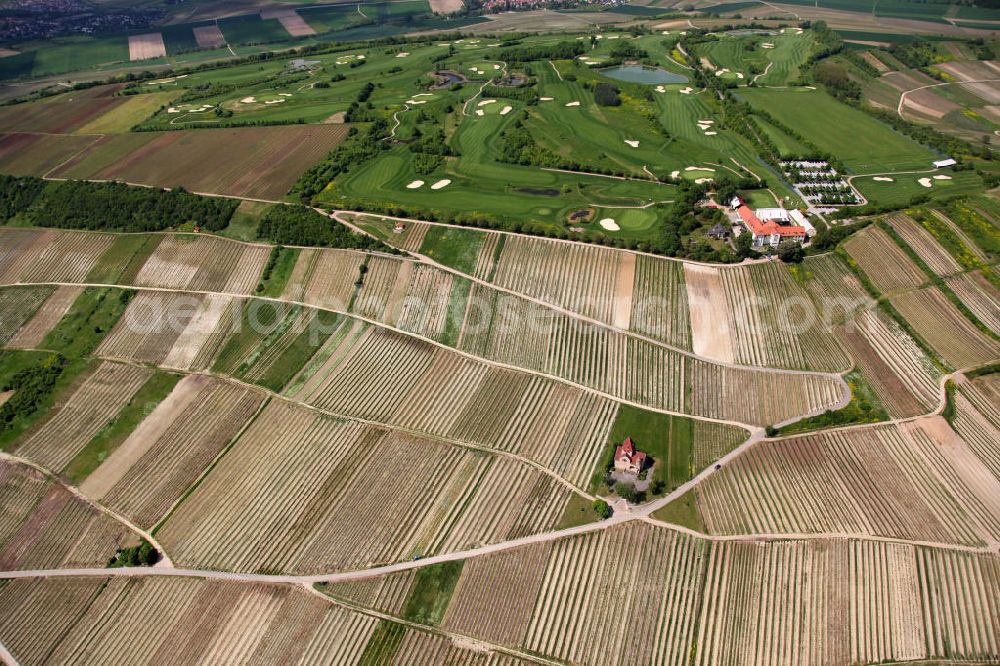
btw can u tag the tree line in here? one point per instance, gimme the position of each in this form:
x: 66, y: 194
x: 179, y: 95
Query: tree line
x: 77, y: 204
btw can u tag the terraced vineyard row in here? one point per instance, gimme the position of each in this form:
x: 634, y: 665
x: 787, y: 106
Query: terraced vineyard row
x: 884, y: 262
x: 943, y: 326
x: 31, y: 334
x: 49, y: 256
x: 203, y: 263
x: 323, y: 476
x: 659, y: 302
x: 923, y: 243
x: 99, y: 621
x: 639, y: 593
x: 43, y: 525
x: 168, y: 450
x: 980, y: 296
x: 585, y: 279
x: 917, y: 482
x: 91, y: 407
x: 905, y: 380
x: 834, y: 288
x: 976, y: 418
x: 774, y: 323
x: 19, y: 305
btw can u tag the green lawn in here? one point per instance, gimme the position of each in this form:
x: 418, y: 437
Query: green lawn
x: 92, y: 316
x: 862, y: 143
x: 667, y: 439
x: 431, y: 591
x: 453, y: 246
x: 905, y: 187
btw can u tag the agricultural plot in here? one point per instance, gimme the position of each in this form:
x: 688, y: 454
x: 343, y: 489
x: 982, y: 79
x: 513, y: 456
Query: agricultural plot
x: 152, y: 324
x: 433, y: 496
x: 255, y: 162
x: 99, y: 620
x: 44, y: 525
x: 19, y: 306
x: 885, y: 264
x: 440, y: 394
x: 905, y: 380
x: 773, y: 322
x: 28, y: 154
x: 385, y: 593
x: 170, y: 448
x: 325, y: 278
x: 203, y: 263
x: 976, y: 418
x: 943, y: 326
x: 45, y: 318
x: 885, y: 481
x: 980, y: 296
x: 62, y: 114
x: 31, y: 255
x: 923, y: 243
x: 660, y: 302
x: 836, y: 291
x: 592, y: 281
x: 92, y: 406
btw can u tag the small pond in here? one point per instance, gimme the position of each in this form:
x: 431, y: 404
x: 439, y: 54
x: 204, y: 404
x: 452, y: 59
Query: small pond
x: 640, y: 74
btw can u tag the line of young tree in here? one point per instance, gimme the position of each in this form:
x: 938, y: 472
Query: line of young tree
x: 78, y: 204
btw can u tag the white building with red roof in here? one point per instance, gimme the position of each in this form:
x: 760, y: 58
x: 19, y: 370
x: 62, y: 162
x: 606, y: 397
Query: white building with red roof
x: 771, y: 231
x: 628, y: 458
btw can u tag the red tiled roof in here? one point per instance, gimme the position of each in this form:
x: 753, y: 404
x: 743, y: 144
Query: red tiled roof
x: 768, y: 228
x: 627, y: 449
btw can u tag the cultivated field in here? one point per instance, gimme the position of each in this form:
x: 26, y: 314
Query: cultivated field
x: 95, y: 621
x: 885, y: 481
x: 943, y: 326
x: 92, y: 406
x: 256, y: 162
x: 433, y: 497
x: 979, y: 295
x: 32, y: 255
x: 61, y: 114
x: 44, y: 525
x: 145, y: 47
x: 905, y: 380
x: 923, y: 243
x: 976, y: 418
x: 48, y: 314
x: 19, y: 306
x: 164, y: 455
x: 27, y: 154
x: 203, y: 263
x: 884, y: 263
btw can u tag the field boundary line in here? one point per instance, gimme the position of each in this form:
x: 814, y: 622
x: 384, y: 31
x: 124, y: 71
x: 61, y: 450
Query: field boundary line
x: 165, y: 560
x: 903, y: 94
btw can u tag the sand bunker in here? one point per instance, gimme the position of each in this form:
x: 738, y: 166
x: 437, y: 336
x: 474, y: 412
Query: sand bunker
x: 572, y: 104
x: 441, y: 183
x: 480, y: 112
x: 416, y: 101
x: 675, y: 174
x: 697, y: 168
x: 739, y: 75
x: 248, y: 100
x: 496, y: 66
x: 926, y: 182
x: 633, y: 143
x: 545, y: 99
x: 710, y: 133
x: 402, y: 54
x: 609, y: 224
x: 686, y: 91
x: 505, y: 110
x: 173, y: 110
x: 415, y: 184
x: 699, y: 181
x: 486, y: 101
x: 942, y: 177
x: 660, y: 89
x: 883, y: 179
